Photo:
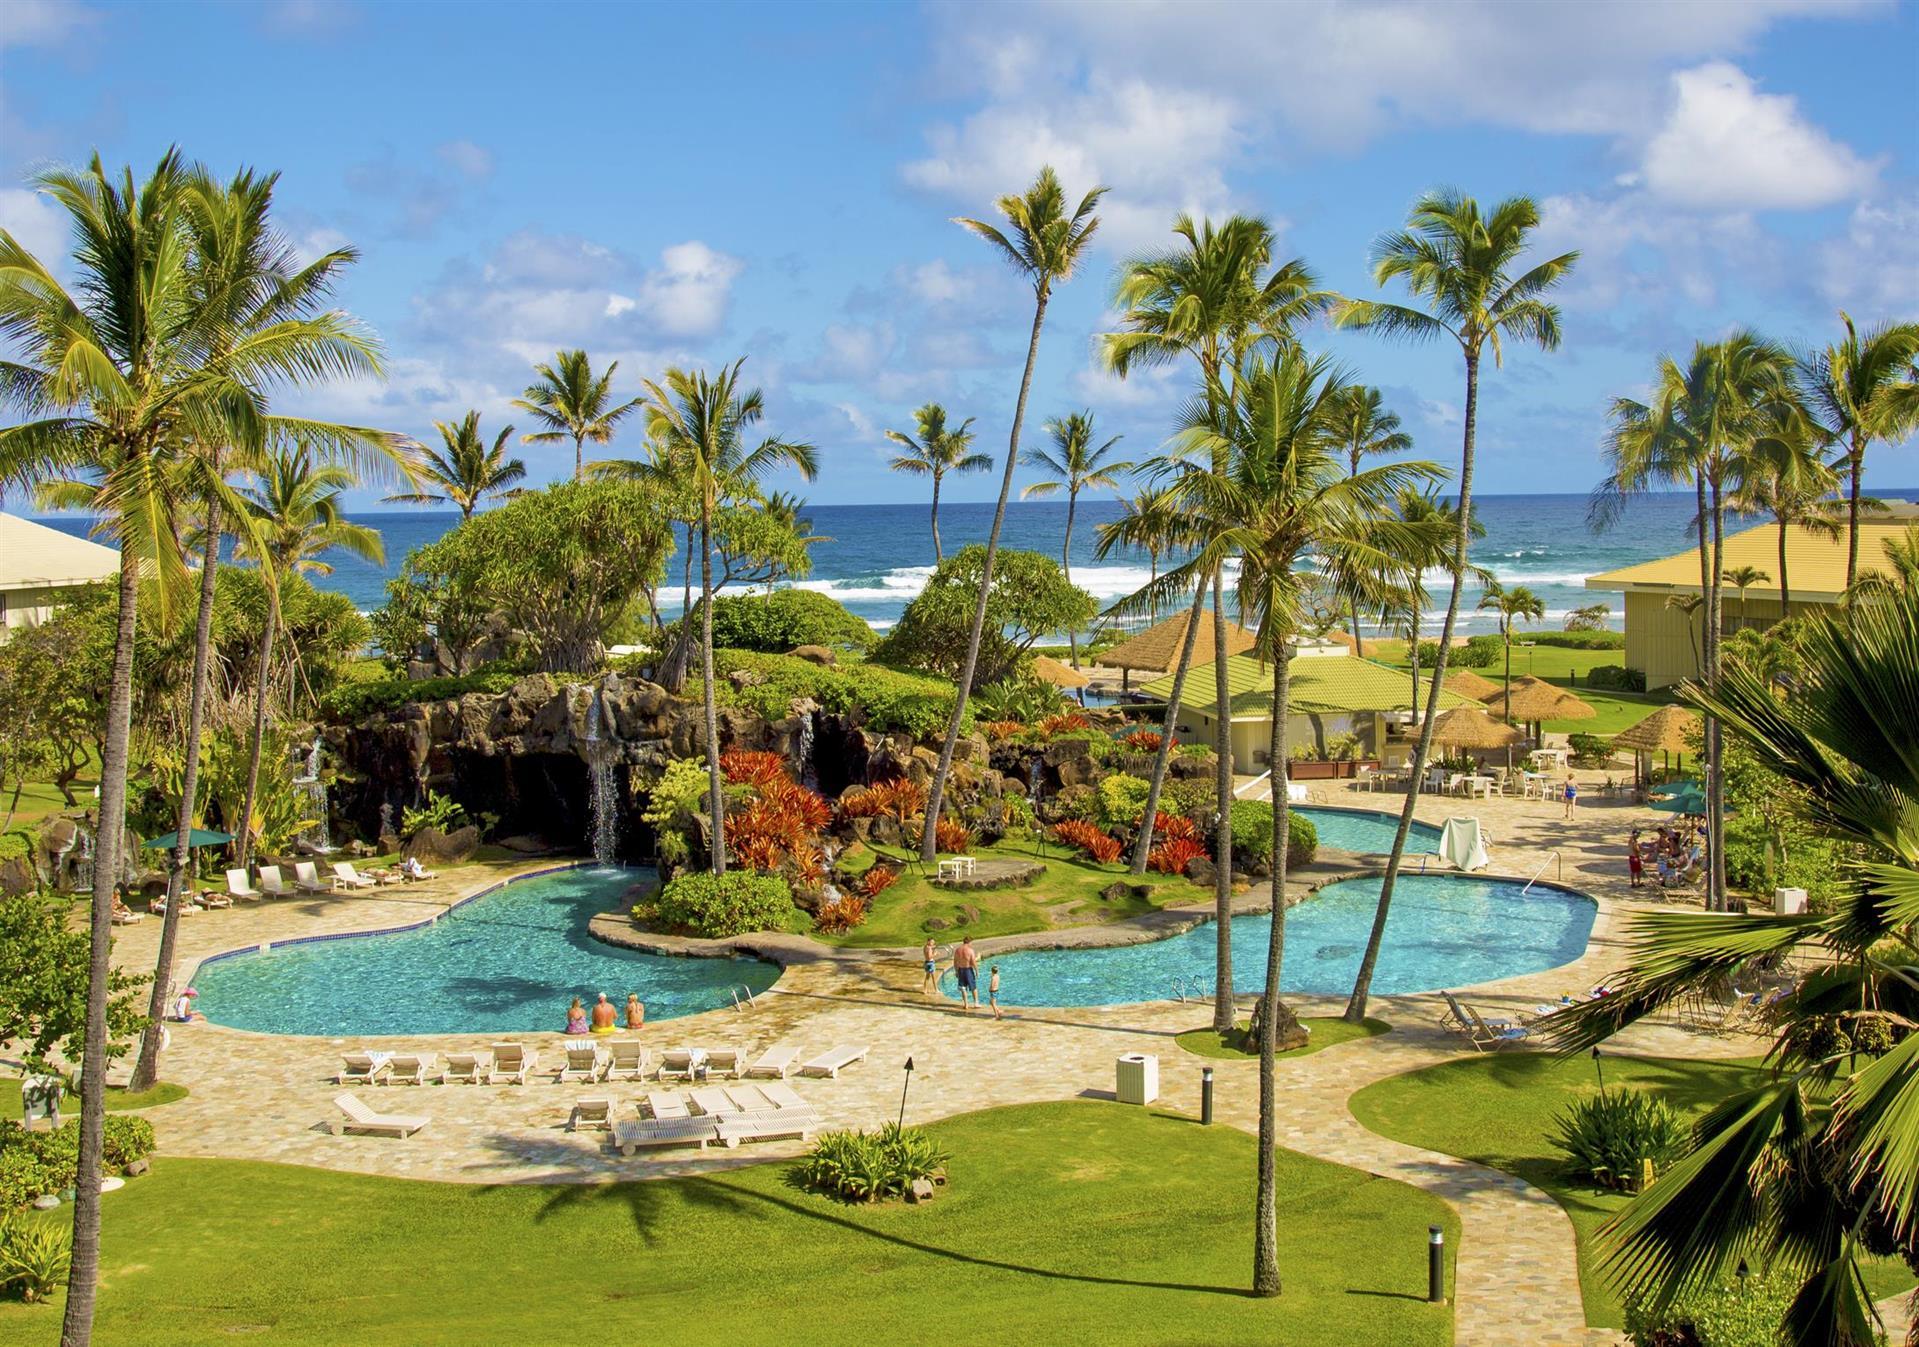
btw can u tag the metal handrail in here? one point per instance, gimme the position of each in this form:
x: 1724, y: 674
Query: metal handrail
x: 1239, y: 792
x: 1555, y: 856
x: 734, y: 992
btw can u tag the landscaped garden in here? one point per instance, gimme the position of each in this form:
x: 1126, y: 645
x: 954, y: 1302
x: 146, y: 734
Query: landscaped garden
x: 1327, y: 1031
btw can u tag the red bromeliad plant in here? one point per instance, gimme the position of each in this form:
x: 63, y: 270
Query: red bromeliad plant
x: 1173, y: 855
x: 1174, y: 827
x: 878, y: 880
x: 1064, y: 723
x: 949, y: 835
x: 1083, y: 836
x: 999, y: 731
x: 745, y: 767
x: 842, y: 914
x: 783, y: 821
x: 1144, y: 741
x: 900, y: 798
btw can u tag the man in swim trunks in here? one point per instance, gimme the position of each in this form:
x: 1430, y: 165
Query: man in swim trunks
x: 966, y: 970
x: 605, y: 1018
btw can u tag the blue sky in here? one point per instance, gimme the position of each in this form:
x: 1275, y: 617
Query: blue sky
x: 674, y: 184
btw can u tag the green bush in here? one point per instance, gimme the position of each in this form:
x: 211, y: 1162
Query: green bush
x: 436, y: 811
x: 871, y: 1166
x: 354, y: 701
x: 128, y: 1138
x: 716, y: 906
x: 1122, y: 799
x: 774, y: 623
x: 1747, y: 1311
x: 1608, y: 1137
x: 1590, y: 750
x: 888, y: 699
x: 34, y: 1163
x: 1579, y: 640
x: 36, y: 1254
x: 1475, y: 654
x: 1616, y: 678
x: 1253, y: 834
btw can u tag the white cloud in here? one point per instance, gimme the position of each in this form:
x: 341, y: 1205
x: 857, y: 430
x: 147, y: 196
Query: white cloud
x: 43, y: 23
x: 37, y: 223
x: 619, y: 304
x: 687, y: 296
x: 852, y: 352
x: 934, y: 282
x: 312, y: 244
x: 1874, y: 266
x: 1634, y: 248
x: 466, y: 158
x: 1727, y: 146
x: 861, y: 424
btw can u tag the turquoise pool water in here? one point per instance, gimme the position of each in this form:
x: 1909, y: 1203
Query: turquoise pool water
x: 1444, y: 931
x: 508, y: 962
x: 1367, y: 830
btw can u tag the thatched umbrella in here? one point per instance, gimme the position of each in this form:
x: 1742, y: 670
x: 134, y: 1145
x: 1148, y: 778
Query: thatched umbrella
x: 1532, y: 701
x: 1469, y: 684
x: 1470, y: 727
x: 1050, y: 670
x: 1670, y: 729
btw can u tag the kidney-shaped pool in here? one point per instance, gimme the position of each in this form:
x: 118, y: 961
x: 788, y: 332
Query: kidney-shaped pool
x: 506, y: 962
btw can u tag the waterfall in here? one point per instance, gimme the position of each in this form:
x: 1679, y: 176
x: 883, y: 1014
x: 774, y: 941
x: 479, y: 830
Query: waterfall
x: 1032, y: 779
x: 317, y: 838
x: 809, y: 766
x: 603, y: 800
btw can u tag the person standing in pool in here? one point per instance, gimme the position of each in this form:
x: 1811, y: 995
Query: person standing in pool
x: 992, y: 991
x: 930, y: 958
x: 635, y: 1012
x: 966, y: 972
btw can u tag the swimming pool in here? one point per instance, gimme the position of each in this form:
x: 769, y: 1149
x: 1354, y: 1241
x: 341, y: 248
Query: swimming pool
x: 507, y: 962
x: 1367, y: 830
x: 1444, y: 931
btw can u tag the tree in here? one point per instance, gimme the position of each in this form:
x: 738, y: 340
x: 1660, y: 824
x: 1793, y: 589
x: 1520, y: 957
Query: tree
x: 1786, y: 479
x: 1460, y: 261
x: 1743, y: 578
x: 1592, y: 617
x: 1075, y: 466
x: 938, y: 450
x: 437, y: 602
x: 1366, y: 430
x: 698, y: 421
x: 1146, y: 524
x: 1431, y: 525
x: 1513, y: 605
x: 1816, y: 1166
x: 467, y: 471
x: 1045, y: 245
x: 1030, y: 598
x: 48, y: 707
x: 43, y: 987
x: 572, y: 402
x: 1862, y: 390
x: 1901, y: 573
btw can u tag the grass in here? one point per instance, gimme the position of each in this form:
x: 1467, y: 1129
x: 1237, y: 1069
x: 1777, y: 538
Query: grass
x: 1499, y: 1111
x: 40, y: 799
x: 1567, y: 668
x: 1327, y: 1031
x: 118, y: 1100
x: 1073, y: 1222
x: 1068, y: 894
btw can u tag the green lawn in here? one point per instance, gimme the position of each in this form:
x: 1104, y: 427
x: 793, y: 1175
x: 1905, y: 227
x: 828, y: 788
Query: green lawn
x: 1068, y: 894
x: 118, y: 1101
x: 1327, y: 1030
x: 41, y: 798
x: 1498, y: 1110
x: 1063, y: 1223
x: 1567, y: 668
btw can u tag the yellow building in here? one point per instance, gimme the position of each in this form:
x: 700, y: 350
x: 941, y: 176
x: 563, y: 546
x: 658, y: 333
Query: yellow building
x: 1663, y: 638
x: 42, y: 567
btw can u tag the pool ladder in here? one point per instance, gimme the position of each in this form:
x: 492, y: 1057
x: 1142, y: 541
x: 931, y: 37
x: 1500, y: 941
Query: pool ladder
x: 1190, y: 991
x: 1555, y: 856
x: 741, y: 1005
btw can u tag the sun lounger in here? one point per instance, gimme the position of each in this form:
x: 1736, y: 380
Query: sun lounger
x: 680, y: 1063
x: 666, y: 1105
x: 405, y: 1068
x: 464, y: 1068
x: 832, y: 1062
x: 237, y: 885
x: 362, y: 1068
x: 582, y: 1063
x: 1487, y: 1035
x: 511, y: 1063
x: 722, y: 1061
x: 158, y: 906
x: 777, y: 1125
x: 595, y: 1111
x: 271, y: 884
x: 625, y: 1058
x: 749, y: 1099
x: 783, y: 1095
x: 212, y: 900
x: 344, y: 873
x: 775, y: 1062
x: 306, y: 879
x: 360, y: 1118
x: 126, y: 916
x: 630, y: 1136
x: 416, y: 878
x: 713, y: 1102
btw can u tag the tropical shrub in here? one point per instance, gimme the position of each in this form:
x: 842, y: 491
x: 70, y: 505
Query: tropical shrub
x: 1065, y: 723
x: 744, y: 767
x: 900, y: 798
x: 1088, y: 839
x: 36, y: 1254
x: 871, y: 1166
x: 1253, y: 834
x: 1590, y: 750
x: 716, y: 906
x: 1019, y: 697
x: 886, y: 699
x: 1167, y: 827
x: 1030, y: 597
x: 673, y: 808
x: 949, y: 835
x: 1475, y: 654
x: 999, y: 731
x: 877, y: 880
x: 1144, y: 741
x: 438, y: 811
x: 1748, y: 1311
x: 1197, y: 797
x: 842, y: 914
x: 1616, y: 678
x: 780, y: 824
x: 1606, y: 1138
x: 127, y: 1138
x: 1173, y: 855
x: 1122, y: 800
x: 777, y: 622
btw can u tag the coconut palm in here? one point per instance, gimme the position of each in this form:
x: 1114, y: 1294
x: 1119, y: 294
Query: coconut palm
x: 1075, y: 466
x: 1787, y: 480
x: 1743, y: 578
x: 698, y: 422
x: 1431, y: 521
x: 940, y: 449
x: 1817, y: 1165
x: 1461, y: 262
x: 1044, y: 243
x: 1861, y: 390
x: 572, y: 402
x: 1518, y: 604
x: 1901, y: 573
x: 466, y: 471
x: 1366, y: 430
x: 1216, y: 297
x: 1146, y: 523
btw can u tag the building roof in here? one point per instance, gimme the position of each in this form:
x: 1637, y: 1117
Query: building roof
x: 1815, y: 565
x: 1670, y: 729
x: 1320, y: 684
x: 1157, y: 648
x: 33, y: 556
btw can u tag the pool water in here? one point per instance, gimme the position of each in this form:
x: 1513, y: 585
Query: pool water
x: 508, y: 962
x: 1367, y: 830
x: 1444, y: 932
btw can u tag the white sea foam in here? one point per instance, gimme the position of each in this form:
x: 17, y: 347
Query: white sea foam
x: 902, y: 583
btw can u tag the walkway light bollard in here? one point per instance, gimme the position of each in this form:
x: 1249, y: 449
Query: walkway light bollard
x: 1206, y: 1095
x: 903, y: 1088
x: 1435, y: 1265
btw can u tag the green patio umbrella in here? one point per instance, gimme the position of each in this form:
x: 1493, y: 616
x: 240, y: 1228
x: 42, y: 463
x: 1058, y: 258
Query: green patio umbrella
x: 1681, y: 798
x: 197, y: 837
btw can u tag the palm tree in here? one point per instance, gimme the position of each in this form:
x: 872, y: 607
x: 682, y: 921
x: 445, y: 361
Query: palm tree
x: 1788, y: 480
x: 1815, y: 1166
x: 1461, y: 263
x: 1216, y: 298
x: 1045, y: 245
x: 1513, y: 605
x: 1366, y: 429
x: 297, y: 515
x: 1431, y: 523
x: 698, y: 421
x: 573, y: 402
x: 1901, y: 573
x: 1863, y: 389
x: 1743, y: 578
x: 1691, y: 605
x: 466, y: 472
x: 938, y: 451
x: 1075, y: 466
x: 1146, y: 523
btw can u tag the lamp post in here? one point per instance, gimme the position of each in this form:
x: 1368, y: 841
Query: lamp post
x: 1598, y: 1070
x: 903, y: 1088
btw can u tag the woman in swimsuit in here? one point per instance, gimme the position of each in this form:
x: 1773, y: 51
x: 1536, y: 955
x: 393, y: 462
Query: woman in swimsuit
x: 576, y: 1017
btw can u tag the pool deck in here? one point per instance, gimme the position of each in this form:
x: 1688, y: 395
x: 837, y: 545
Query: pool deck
x: 268, y: 1097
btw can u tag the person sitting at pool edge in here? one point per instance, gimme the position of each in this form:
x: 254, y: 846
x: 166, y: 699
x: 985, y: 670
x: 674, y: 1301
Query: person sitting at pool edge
x: 606, y: 1019
x: 635, y: 1012
x: 576, y: 1017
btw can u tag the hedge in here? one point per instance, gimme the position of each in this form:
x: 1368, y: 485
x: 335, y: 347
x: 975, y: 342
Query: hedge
x: 716, y: 906
x: 888, y: 699
x: 1616, y: 678
x: 1576, y: 640
x: 353, y: 701
x: 777, y: 622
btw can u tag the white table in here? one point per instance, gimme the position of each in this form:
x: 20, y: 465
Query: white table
x: 957, y: 867
x: 1539, y: 757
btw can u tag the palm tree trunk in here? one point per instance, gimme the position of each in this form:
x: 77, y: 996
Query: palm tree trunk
x: 1223, y: 833
x: 1715, y: 767
x: 1856, y: 464
x: 147, y: 1069
x: 244, y: 824
x: 717, y: 806
x: 76, y: 1328
x: 1412, y: 628
x: 1359, y: 645
x: 1144, y: 843
x: 579, y: 463
x: 1066, y: 564
x: 935, y: 795
x: 1785, y: 585
x: 1363, y: 983
x: 938, y: 555
x: 1266, y: 1204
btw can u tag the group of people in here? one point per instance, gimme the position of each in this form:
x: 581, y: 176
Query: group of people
x: 604, y: 1018
x: 1674, y: 854
x: 965, y: 973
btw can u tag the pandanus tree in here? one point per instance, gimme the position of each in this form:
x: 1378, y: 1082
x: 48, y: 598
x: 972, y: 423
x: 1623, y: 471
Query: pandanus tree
x: 699, y: 423
x: 1816, y: 1165
x: 1367, y: 430
x: 938, y: 450
x: 1074, y: 464
x: 465, y: 471
x: 121, y: 380
x: 1863, y: 389
x: 571, y: 402
x: 1463, y: 263
x: 1216, y: 297
x: 1044, y: 241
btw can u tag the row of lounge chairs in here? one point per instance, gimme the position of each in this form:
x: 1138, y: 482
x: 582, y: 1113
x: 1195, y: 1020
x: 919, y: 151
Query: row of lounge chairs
x: 307, y: 879
x: 728, y: 1116
x: 1481, y: 1031
x: 509, y: 1063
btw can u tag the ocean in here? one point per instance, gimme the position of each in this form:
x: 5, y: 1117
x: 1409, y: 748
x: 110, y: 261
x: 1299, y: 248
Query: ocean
x: 877, y: 557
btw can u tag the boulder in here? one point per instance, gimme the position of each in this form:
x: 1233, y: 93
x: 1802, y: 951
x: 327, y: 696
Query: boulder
x: 1201, y: 871
x: 815, y: 654
x: 431, y: 846
x: 527, y: 844
x: 1120, y: 890
x: 936, y: 924
x: 1288, y: 1032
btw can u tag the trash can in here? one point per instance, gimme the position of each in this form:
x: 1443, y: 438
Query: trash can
x: 1138, y: 1078
x: 1788, y: 902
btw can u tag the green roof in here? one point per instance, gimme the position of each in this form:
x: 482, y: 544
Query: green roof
x: 1321, y: 684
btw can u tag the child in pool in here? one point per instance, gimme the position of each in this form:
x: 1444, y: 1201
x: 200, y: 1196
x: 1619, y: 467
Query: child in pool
x: 576, y: 1017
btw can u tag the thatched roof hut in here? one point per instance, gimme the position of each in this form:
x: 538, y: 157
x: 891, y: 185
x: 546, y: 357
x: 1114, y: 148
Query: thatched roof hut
x: 1670, y: 729
x: 1534, y: 700
x: 1469, y: 684
x: 1156, y: 650
x: 1470, y: 727
x: 1049, y: 670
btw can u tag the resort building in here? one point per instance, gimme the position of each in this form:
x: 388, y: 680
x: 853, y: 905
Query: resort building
x: 1333, y: 694
x: 41, y: 568
x: 1663, y: 630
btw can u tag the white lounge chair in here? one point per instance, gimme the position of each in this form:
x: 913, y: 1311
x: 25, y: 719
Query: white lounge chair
x: 775, y: 1062
x: 271, y: 883
x: 596, y: 1111
x: 833, y: 1061
x: 784, y: 1096
x: 405, y: 1068
x: 667, y: 1105
x: 749, y: 1099
x: 582, y: 1063
x: 625, y: 1058
x: 630, y: 1136
x: 465, y: 1068
x: 126, y: 916
x: 1485, y: 1035
x: 680, y: 1063
x: 511, y: 1063
x: 306, y: 879
x: 713, y: 1102
x: 774, y: 1126
x: 344, y: 873
x: 237, y: 885
x: 362, y: 1068
x: 360, y: 1118
x: 723, y: 1061
x: 211, y: 900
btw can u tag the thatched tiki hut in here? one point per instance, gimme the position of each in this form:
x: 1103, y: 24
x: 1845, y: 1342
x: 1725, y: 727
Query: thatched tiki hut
x: 1155, y: 651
